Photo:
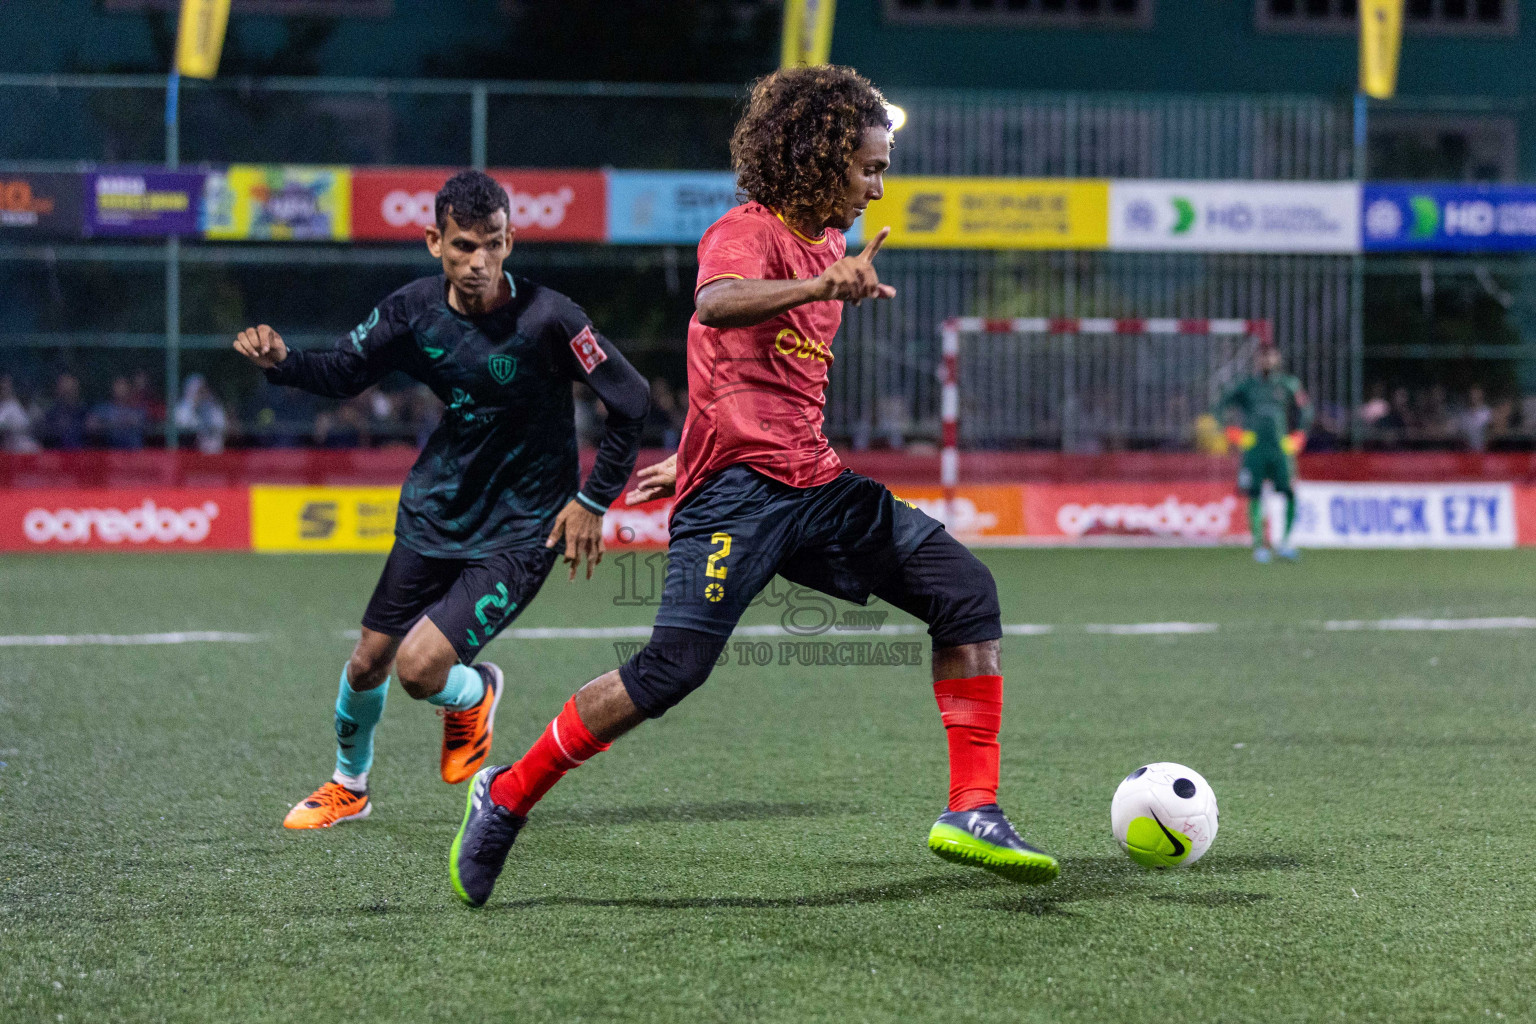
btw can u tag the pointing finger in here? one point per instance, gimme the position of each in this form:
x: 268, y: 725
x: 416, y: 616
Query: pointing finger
x: 874, y: 245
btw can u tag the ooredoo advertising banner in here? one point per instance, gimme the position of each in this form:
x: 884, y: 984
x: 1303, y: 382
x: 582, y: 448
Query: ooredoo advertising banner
x: 1187, y: 513
x: 1234, y: 216
x: 1350, y: 515
x: 395, y: 204
x: 130, y: 203
x: 268, y: 202
x: 40, y: 205
x: 125, y: 519
x: 1449, y: 218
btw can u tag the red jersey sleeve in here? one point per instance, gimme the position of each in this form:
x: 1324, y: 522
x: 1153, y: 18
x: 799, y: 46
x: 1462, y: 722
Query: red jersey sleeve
x: 734, y: 247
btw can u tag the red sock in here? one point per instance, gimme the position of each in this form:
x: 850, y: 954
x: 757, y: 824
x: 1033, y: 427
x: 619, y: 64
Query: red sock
x: 972, y: 710
x: 565, y: 744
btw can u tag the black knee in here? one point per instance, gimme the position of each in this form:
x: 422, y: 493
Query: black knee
x: 963, y: 608
x: 971, y: 613
x: 674, y: 664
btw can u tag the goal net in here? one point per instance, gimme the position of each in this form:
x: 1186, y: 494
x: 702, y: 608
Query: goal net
x: 1084, y: 384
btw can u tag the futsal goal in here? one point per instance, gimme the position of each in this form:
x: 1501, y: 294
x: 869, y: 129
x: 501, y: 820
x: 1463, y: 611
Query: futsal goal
x: 1083, y: 384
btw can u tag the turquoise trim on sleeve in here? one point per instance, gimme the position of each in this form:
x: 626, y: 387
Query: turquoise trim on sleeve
x: 590, y: 505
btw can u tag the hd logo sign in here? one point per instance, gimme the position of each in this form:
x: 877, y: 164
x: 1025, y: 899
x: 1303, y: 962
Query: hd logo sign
x: 298, y: 519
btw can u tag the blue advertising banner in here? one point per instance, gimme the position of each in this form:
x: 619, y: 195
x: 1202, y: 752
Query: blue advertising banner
x: 666, y: 207
x: 672, y: 207
x: 1448, y: 218
x: 138, y: 203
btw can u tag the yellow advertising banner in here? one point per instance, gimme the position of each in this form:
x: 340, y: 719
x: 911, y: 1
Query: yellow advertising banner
x: 992, y: 213
x: 337, y: 519
x: 200, y: 37
x: 275, y: 203
x: 807, y: 32
x: 1381, y: 38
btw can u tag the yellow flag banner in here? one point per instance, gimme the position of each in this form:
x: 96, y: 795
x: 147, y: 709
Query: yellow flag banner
x: 200, y: 37
x: 992, y: 213
x: 1381, y: 38
x: 807, y: 32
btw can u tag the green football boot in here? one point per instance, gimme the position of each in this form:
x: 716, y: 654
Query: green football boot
x: 985, y: 838
x: 485, y: 836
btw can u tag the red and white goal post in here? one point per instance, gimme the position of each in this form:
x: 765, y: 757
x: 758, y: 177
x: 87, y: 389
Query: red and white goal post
x: 1260, y: 331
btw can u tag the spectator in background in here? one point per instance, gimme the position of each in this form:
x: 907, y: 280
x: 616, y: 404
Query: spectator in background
x: 1501, y: 423
x: 281, y: 417
x: 145, y: 399
x: 1474, y: 419
x: 1376, y: 408
x: 200, y: 412
x: 15, y: 421
x: 1330, y: 430
x: 1437, y: 422
x: 1400, y: 421
x: 118, y: 421
x: 63, y: 425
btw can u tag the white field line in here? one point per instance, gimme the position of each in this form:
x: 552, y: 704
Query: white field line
x: 899, y: 629
x: 1150, y: 628
x: 128, y: 639
x: 1397, y: 625
x: 1412, y: 625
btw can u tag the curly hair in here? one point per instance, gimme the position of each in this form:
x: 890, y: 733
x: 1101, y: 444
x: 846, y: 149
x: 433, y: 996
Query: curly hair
x: 801, y: 128
x: 473, y: 197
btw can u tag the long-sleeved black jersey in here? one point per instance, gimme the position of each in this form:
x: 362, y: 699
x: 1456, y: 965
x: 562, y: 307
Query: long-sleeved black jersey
x: 503, y: 460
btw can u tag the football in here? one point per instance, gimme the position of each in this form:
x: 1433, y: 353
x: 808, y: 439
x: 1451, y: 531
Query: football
x: 1164, y: 815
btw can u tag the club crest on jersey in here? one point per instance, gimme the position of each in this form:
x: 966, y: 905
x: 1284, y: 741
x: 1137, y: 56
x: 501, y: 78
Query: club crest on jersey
x: 588, y: 352
x: 503, y: 367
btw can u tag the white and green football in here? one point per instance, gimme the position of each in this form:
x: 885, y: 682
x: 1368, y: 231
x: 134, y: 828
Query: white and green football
x: 1164, y: 815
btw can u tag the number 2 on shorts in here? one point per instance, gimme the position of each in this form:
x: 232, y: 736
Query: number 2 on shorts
x: 713, y: 569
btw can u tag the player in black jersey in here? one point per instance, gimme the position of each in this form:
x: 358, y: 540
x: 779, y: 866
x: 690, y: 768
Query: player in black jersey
x: 493, y: 493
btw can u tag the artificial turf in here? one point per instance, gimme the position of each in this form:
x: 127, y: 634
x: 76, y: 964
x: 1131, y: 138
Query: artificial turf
x: 759, y: 853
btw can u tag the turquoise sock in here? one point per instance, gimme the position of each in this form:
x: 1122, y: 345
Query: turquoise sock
x: 464, y: 689
x: 357, y: 715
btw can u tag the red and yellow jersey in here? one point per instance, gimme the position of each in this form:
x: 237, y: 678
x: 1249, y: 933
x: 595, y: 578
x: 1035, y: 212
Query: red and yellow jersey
x: 755, y: 394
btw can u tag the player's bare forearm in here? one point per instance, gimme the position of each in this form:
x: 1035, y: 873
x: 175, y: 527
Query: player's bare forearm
x: 743, y: 303
x: 746, y: 302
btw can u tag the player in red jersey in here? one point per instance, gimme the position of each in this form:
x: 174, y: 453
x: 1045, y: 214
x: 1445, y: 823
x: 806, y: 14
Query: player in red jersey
x: 761, y: 492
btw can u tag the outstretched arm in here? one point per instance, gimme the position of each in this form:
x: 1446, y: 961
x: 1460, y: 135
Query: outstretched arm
x: 356, y: 363
x: 743, y: 302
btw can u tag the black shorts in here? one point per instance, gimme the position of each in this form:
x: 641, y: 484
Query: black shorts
x: 850, y: 538
x: 741, y: 528
x: 470, y: 600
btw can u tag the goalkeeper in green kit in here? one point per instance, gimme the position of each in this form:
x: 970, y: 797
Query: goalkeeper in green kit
x: 1273, y: 414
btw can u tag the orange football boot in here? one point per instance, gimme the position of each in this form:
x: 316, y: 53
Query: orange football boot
x: 326, y: 806
x: 467, y: 734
